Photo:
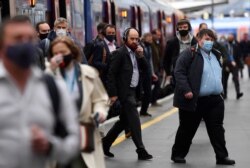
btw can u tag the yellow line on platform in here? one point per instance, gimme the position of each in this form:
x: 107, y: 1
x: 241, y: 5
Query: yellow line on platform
x: 148, y: 124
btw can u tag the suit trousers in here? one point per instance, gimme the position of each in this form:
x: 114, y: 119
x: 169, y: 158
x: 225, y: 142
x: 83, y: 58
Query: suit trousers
x: 234, y: 71
x: 129, y: 118
x: 211, y: 109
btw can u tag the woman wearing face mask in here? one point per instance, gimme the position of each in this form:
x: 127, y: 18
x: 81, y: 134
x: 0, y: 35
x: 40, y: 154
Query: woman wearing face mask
x: 86, y: 90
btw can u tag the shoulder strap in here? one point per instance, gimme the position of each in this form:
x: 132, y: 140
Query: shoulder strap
x: 59, y: 128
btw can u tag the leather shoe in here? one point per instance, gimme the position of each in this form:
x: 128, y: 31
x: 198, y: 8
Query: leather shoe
x: 239, y: 95
x: 106, y: 150
x: 178, y: 159
x: 143, y: 154
x: 146, y: 114
x: 225, y: 161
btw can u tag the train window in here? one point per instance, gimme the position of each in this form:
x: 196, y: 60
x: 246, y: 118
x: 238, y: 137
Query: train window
x: 133, y: 16
x: 139, y: 15
x: 113, y: 18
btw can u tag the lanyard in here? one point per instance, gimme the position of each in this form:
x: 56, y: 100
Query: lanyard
x: 71, y: 82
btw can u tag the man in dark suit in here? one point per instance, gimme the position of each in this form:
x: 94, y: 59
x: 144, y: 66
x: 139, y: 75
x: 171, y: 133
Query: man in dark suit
x: 102, y: 52
x: 127, y: 64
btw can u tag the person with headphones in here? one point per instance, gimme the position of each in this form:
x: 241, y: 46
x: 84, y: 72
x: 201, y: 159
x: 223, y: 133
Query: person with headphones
x: 176, y: 45
x: 127, y: 67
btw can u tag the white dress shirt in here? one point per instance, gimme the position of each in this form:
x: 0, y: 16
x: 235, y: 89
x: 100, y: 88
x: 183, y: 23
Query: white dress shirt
x: 111, y: 45
x: 135, y: 76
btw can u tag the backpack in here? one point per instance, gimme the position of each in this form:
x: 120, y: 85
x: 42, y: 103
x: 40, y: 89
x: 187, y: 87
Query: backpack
x: 89, y: 49
x: 59, y: 127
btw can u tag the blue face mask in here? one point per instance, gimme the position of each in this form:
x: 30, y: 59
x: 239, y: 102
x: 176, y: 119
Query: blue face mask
x: 21, y: 54
x: 207, y: 45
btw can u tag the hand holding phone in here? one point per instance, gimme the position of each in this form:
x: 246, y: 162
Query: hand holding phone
x: 139, y: 51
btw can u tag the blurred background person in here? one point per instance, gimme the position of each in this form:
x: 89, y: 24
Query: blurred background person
x: 42, y: 29
x: 28, y: 119
x: 233, y: 64
x: 86, y: 90
x: 245, y: 50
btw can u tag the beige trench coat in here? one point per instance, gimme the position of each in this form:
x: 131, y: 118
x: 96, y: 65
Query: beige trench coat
x: 95, y: 99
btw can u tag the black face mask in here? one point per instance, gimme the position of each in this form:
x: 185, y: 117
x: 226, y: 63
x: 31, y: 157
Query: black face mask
x: 43, y: 36
x: 183, y: 33
x: 21, y: 54
x: 110, y: 38
x: 66, y: 60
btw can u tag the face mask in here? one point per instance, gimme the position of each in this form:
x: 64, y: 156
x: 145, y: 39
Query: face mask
x: 66, y: 60
x: 61, y: 32
x: 207, y: 45
x: 43, y: 36
x: 132, y: 46
x: 183, y: 32
x: 147, y: 43
x: 21, y: 54
x: 110, y: 38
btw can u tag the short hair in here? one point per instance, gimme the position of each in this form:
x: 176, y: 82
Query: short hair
x: 70, y: 44
x: 145, y: 35
x: 14, y: 20
x: 155, y: 31
x: 100, y: 27
x: 208, y: 32
x: 184, y: 21
x: 201, y: 24
x: 21, y: 19
x: 108, y: 26
x: 38, y: 24
x: 60, y: 20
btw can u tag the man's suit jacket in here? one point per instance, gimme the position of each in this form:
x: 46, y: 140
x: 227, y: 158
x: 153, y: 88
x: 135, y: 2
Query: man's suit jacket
x: 121, y: 71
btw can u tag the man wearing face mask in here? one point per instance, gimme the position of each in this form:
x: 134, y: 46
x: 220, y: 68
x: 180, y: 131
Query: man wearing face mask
x: 61, y: 28
x: 102, y: 52
x: 42, y: 29
x: 127, y: 67
x: 184, y: 39
x: 28, y: 137
x: 198, y: 75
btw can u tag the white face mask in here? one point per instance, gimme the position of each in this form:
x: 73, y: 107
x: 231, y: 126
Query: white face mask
x: 61, y: 32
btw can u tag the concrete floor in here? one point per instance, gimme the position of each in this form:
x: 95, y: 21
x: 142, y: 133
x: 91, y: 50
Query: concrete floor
x: 159, y: 138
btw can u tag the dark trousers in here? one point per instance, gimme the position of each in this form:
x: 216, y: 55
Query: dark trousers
x: 156, y: 89
x: 211, y: 109
x: 129, y: 118
x: 235, y: 73
x: 147, y: 94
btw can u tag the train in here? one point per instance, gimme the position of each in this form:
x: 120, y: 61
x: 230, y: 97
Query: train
x: 84, y: 15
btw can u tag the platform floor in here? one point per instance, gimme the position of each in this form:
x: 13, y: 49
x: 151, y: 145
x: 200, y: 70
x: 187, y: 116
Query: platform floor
x: 159, y: 133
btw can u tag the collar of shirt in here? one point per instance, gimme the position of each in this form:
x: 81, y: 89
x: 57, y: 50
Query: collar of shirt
x: 5, y: 74
x: 108, y: 42
x: 205, y: 54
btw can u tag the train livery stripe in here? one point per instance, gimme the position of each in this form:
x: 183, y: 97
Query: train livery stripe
x: 148, y: 124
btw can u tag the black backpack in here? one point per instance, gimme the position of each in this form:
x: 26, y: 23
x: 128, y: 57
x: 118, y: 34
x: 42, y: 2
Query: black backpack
x: 89, y: 49
x: 59, y: 127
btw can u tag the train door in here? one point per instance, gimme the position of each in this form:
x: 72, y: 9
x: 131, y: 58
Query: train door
x: 5, y: 9
x: 139, y: 20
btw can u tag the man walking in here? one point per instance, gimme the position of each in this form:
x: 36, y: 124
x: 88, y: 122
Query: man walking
x: 127, y: 64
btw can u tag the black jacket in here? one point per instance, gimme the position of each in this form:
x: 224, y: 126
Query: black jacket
x: 120, y: 72
x: 188, y: 73
x: 172, y: 52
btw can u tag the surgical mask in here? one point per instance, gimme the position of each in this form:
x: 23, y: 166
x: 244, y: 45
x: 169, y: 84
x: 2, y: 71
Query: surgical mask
x: 110, y: 38
x: 66, y: 60
x: 207, y: 45
x: 43, y: 36
x: 183, y: 33
x: 21, y: 54
x: 61, y: 32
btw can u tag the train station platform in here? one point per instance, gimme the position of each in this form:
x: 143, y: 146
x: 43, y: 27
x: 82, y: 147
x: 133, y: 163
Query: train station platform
x: 159, y: 133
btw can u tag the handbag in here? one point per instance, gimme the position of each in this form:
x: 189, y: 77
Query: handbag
x: 87, y: 131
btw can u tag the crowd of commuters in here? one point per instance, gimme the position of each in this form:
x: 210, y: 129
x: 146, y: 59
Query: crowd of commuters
x: 51, y: 95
